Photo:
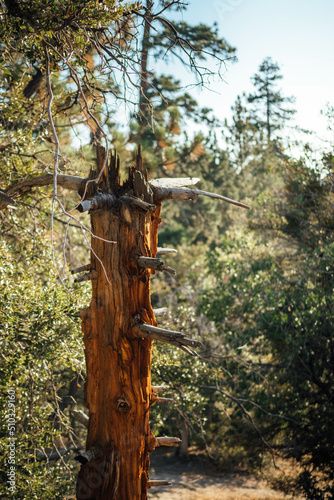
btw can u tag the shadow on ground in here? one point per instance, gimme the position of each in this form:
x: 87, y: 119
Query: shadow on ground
x: 197, y: 479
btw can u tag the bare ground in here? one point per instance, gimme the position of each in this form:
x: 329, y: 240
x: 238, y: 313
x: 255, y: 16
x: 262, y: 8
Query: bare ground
x: 198, y: 480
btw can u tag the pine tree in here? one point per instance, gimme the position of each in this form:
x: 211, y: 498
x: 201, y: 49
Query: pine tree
x: 270, y: 109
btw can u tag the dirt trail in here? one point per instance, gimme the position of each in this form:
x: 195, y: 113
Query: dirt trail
x: 196, y: 480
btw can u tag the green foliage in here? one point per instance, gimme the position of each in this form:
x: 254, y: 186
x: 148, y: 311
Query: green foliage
x: 41, y: 352
x: 273, y: 301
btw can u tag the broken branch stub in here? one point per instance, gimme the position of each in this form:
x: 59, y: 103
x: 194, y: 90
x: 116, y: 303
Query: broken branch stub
x: 86, y: 277
x: 167, y: 441
x: 160, y: 311
x: 158, y: 399
x: 153, y: 263
x: 158, y: 482
x: 81, y: 269
x: 174, y: 338
x: 87, y: 456
x: 101, y: 200
x: 158, y: 388
x: 166, y: 251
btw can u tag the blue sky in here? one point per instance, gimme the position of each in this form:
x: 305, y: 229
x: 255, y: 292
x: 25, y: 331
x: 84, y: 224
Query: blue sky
x: 297, y: 34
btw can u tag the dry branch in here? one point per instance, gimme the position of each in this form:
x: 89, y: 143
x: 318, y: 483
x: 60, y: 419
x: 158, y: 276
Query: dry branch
x: 70, y: 182
x: 170, y: 183
x: 86, y: 277
x: 158, y: 399
x: 133, y: 200
x: 153, y: 263
x: 168, y: 441
x: 161, y: 311
x: 183, y: 193
x: 158, y: 482
x: 174, y: 338
x: 166, y: 251
x: 6, y: 200
x: 81, y: 269
x: 158, y: 388
x: 81, y: 417
x: 56, y: 455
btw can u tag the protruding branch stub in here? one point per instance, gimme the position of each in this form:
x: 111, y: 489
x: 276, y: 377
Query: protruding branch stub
x: 92, y: 275
x: 81, y: 269
x: 154, y: 263
x: 166, y: 251
x: 174, y: 338
x: 91, y: 454
x: 167, y: 441
x: 158, y: 482
x: 158, y: 399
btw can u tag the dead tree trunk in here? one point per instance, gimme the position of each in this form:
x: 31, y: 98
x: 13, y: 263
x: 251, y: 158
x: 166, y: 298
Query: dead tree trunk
x: 118, y: 385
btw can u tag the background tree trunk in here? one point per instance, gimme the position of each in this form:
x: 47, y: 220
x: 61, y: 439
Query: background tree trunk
x: 118, y: 385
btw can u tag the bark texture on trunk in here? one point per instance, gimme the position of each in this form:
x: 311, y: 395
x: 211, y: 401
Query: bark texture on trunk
x: 118, y: 390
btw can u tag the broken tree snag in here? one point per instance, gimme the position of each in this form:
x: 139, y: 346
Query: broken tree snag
x: 158, y: 482
x: 183, y: 193
x: 167, y: 441
x: 153, y: 263
x: 118, y: 383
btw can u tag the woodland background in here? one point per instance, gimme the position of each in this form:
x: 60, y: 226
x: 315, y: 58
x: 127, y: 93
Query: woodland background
x: 255, y: 287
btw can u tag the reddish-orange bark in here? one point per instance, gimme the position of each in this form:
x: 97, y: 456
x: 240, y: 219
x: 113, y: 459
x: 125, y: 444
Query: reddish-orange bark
x: 118, y: 384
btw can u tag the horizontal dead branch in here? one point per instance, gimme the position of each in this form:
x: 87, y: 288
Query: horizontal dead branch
x: 168, y: 441
x: 174, y: 338
x: 81, y: 417
x: 166, y: 251
x: 56, y: 455
x: 133, y: 200
x: 180, y: 193
x: 81, y: 269
x: 176, y: 182
x: 153, y: 263
x: 160, y: 311
x: 70, y: 182
x: 158, y: 482
x: 158, y: 399
x: 86, y: 277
